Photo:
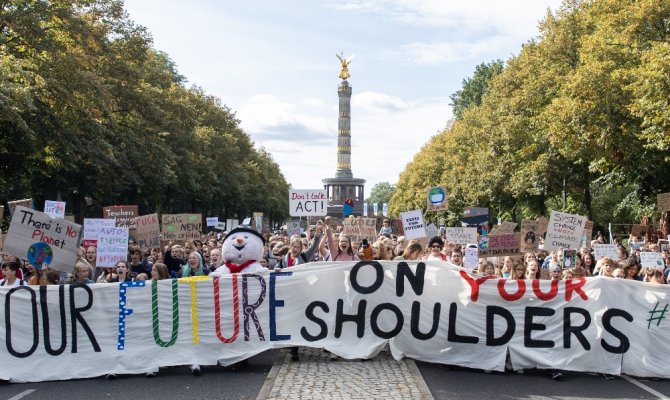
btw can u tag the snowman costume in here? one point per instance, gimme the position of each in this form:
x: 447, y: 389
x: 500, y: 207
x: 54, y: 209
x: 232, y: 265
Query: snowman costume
x: 241, y: 250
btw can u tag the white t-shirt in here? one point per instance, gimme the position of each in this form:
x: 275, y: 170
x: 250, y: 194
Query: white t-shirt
x: 17, y: 282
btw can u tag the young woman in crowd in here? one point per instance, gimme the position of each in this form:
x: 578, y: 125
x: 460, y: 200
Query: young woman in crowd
x: 343, y: 251
x: 533, y: 270
x: 518, y: 271
x: 82, y: 273
x: 507, y: 267
x: 159, y: 271
x: 413, y: 251
x: 194, y: 266
x: 10, y: 271
x: 435, y: 245
x: 632, y: 269
x: 122, y: 272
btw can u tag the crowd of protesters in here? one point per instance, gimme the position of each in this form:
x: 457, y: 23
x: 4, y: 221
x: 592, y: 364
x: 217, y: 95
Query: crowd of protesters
x: 324, y: 243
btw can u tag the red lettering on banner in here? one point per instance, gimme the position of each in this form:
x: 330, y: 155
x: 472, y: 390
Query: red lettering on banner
x: 553, y: 291
x: 511, y: 296
x: 572, y: 286
x: 474, y: 284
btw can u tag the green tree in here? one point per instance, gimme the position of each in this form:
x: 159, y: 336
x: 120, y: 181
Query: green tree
x: 380, y: 193
x: 475, y: 88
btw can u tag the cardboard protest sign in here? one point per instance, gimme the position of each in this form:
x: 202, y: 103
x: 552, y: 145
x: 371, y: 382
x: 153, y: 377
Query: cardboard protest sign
x: 181, y: 226
x: 436, y: 198
x: 396, y: 226
x: 663, y: 201
x: 304, y: 203
x: 587, y: 235
x: 124, y: 215
x: 499, y: 245
x: 461, y: 235
x: 27, y: 203
x: 332, y: 222
x: 601, y: 250
x: 55, y: 209
x: 651, y: 259
x: 367, y: 228
x: 529, y: 236
x: 112, y: 246
x: 639, y: 230
x: 351, y: 228
x: 212, y: 221
x: 92, y: 228
x: 663, y: 245
x: 431, y: 230
x: 504, y: 228
x: 293, y: 228
x: 148, y: 231
x: 564, y: 231
x: 412, y: 222
x: 542, y: 225
x: 42, y: 240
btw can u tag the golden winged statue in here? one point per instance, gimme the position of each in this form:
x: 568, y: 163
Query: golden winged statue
x: 344, y: 73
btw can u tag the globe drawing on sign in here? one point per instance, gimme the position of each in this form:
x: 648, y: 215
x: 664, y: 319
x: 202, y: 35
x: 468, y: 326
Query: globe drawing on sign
x: 484, y: 243
x: 436, y: 196
x: 659, y: 263
x: 40, y: 254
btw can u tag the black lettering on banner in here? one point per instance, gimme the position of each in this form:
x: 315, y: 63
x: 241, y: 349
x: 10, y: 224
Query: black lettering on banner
x: 491, y: 313
x: 45, y: 321
x: 358, y: 318
x: 379, y: 278
x: 452, y: 336
x: 529, y: 326
x: 309, y: 313
x: 8, y: 323
x: 624, y: 343
x: 399, y: 320
x: 415, y: 280
x: 415, y: 318
x: 569, y: 329
x: 75, y: 315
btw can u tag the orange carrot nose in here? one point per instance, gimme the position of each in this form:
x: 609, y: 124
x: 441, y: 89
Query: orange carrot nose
x: 239, y: 240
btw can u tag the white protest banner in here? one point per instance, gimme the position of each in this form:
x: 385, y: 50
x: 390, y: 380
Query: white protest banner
x: 41, y: 239
x: 221, y: 226
x: 365, y: 209
x: 599, y: 325
x: 436, y: 198
x: 601, y: 250
x: 92, y: 227
x: 303, y: 203
x: 212, y: 221
x: 663, y: 201
x: 181, y: 226
x: 385, y: 209
x: 651, y: 259
x: 148, y: 231
x: 461, y: 235
x: 54, y: 209
x: 412, y: 223
x: 293, y: 228
x: 471, y: 257
x: 112, y: 246
x: 246, y: 221
x: 431, y: 230
x: 375, y: 209
x: 27, y: 203
x: 499, y: 245
x: 564, y: 231
x: 231, y: 224
x: 529, y: 235
x: 124, y: 215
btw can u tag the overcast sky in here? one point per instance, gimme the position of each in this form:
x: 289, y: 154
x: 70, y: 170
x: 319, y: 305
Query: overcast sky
x: 273, y: 63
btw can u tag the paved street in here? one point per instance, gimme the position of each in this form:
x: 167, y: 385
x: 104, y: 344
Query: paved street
x: 272, y: 375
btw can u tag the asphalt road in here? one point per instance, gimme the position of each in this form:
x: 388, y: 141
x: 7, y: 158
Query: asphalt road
x: 443, y: 382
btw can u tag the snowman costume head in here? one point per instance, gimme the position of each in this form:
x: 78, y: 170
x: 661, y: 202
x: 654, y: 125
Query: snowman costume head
x: 242, y: 249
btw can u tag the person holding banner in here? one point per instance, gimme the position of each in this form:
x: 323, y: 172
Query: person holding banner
x: 10, y: 275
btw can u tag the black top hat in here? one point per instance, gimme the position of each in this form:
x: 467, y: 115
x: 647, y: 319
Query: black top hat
x: 243, y: 229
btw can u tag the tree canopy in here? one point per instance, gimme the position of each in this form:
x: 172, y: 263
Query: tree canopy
x: 91, y: 112
x: 582, y: 109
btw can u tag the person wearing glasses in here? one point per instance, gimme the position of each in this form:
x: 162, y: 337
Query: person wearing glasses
x: 435, y: 245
